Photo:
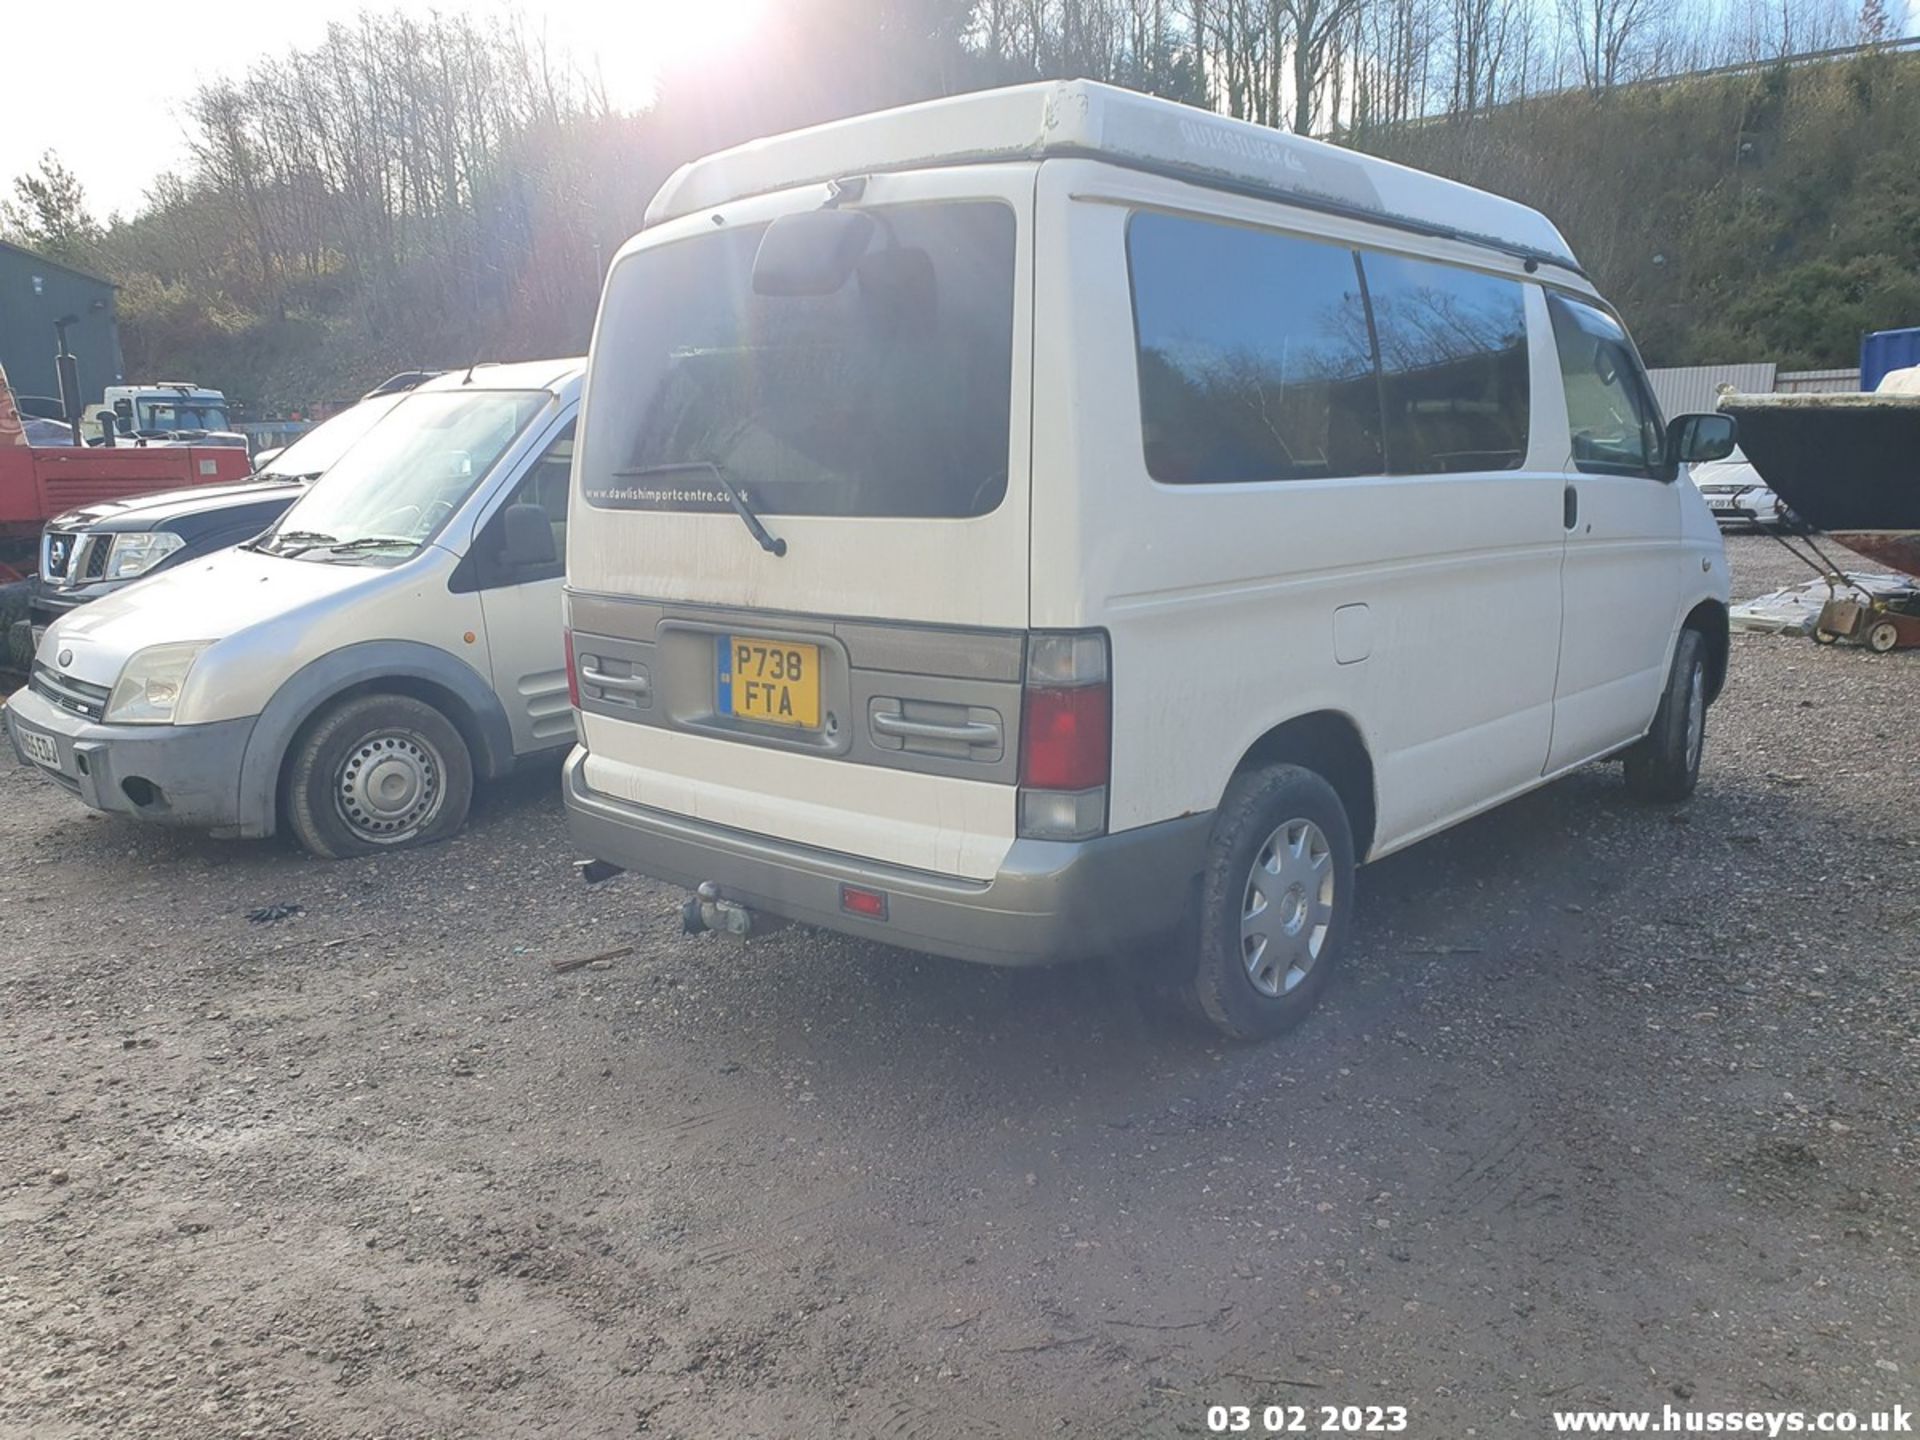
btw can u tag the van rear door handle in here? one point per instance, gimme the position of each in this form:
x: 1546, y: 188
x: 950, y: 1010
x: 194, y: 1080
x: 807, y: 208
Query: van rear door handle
x: 1570, y: 506
x: 898, y: 727
x: 600, y: 680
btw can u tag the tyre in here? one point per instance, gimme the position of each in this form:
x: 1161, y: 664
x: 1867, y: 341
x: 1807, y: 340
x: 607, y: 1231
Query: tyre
x: 1825, y: 637
x: 377, y: 772
x: 1276, y: 902
x: 1665, y: 766
x: 16, y: 635
x: 1883, y: 637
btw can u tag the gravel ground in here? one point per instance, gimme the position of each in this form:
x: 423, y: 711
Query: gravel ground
x: 1611, y: 1106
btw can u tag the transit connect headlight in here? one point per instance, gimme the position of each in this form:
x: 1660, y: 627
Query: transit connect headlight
x: 136, y: 554
x: 149, y: 686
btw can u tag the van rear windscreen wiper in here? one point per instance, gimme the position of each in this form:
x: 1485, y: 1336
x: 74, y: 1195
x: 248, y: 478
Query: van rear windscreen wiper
x: 768, y: 541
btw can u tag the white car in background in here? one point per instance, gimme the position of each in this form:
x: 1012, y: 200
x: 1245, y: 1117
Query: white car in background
x: 1736, y: 494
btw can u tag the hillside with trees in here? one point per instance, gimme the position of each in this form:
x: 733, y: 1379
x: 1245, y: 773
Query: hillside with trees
x: 428, y: 192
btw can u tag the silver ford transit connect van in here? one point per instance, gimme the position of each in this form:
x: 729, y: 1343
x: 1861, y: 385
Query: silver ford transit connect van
x: 352, y: 672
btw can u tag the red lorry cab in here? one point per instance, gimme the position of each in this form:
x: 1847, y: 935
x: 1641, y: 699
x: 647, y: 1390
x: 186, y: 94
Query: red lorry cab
x: 38, y: 482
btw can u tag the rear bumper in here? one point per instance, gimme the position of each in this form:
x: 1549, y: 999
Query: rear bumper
x: 1051, y: 900
x: 191, y: 773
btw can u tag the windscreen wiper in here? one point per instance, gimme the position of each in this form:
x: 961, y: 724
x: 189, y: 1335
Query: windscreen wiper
x: 768, y: 542
x: 304, y: 540
x: 372, y: 542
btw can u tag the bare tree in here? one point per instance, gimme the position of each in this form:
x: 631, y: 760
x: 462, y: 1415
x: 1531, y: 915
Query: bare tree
x: 1604, y: 35
x: 1316, y: 26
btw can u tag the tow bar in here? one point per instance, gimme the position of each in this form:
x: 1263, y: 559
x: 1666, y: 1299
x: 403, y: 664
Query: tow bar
x: 704, y: 910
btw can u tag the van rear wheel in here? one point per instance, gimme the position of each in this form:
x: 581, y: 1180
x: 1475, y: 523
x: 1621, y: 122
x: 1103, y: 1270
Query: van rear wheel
x: 377, y: 772
x: 1276, y: 902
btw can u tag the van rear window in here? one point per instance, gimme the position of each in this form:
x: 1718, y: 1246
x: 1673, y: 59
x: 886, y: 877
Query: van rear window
x: 1265, y: 356
x: 890, y: 396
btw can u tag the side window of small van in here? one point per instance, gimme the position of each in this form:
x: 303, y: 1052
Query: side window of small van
x: 545, y: 484
x: 1255, y: 363
x: 1267, y: 356
x: 1610, y: 410
x: 1453, y: 365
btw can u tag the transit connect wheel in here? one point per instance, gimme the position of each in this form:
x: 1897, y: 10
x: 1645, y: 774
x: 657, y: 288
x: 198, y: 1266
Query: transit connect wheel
x: 1665, y: 765
x: 377, y: 772
x: 1883, y: 637
x: 1276, y: 901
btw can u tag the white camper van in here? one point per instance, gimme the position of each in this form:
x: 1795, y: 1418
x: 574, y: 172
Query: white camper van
x: 1033, y: 523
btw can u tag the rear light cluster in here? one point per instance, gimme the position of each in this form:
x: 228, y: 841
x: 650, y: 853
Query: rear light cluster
x: 1066, y: 736
x: 573, y: 673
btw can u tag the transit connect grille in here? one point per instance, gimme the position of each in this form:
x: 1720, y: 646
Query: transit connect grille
x: 56, y: 553
x: 69, y: 694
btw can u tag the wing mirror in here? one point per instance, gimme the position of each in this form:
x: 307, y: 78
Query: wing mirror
x: 1696, y: 439
x: 528, y: 537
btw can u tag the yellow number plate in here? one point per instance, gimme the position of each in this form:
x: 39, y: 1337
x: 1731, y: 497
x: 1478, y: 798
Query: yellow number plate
x: 774, y: 681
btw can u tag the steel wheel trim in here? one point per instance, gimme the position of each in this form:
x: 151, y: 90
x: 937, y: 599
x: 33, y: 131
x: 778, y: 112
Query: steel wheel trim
x: 1287, y: 911
x: 1696, y: 715
x: 390, y: 786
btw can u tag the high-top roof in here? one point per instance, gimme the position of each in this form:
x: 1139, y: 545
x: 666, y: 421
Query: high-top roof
x: 1084, y: 118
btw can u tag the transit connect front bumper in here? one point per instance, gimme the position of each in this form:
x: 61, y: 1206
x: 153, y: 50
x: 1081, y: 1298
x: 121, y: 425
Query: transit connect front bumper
x: 1051, y: 900
x: 172, y: 774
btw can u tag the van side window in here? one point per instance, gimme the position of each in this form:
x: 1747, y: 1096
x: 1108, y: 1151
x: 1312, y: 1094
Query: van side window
x: 1610, y: 410
x: 1254, y: 358
x: 545, y: 484
x: 1453, y: 365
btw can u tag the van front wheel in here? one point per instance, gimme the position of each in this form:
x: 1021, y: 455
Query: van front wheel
x: 1276, y: 901
x: 377, y: 772
x: 1665, y: 766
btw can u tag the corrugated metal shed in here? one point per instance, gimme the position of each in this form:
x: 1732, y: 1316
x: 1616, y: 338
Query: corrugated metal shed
x: 1691, y: 389
x: 1822, y: 382
x: 36, y: 291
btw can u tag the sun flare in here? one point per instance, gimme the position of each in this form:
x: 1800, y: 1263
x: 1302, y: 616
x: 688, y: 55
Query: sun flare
x: 707, y: 28
x: 630, y: 47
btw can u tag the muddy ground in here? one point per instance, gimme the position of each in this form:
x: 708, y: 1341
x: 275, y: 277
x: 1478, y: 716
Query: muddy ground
x: 1611, y: 1106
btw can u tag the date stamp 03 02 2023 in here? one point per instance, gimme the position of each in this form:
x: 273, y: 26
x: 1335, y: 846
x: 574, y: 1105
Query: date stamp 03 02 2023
x: 1306, y: 1419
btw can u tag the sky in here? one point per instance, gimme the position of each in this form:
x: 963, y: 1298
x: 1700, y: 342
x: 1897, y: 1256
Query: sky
x: 106, y: 94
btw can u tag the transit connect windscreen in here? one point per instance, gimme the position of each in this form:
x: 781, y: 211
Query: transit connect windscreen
x: 888, y: 396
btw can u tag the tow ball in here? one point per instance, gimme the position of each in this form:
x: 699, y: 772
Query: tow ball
x: 704, y: 910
